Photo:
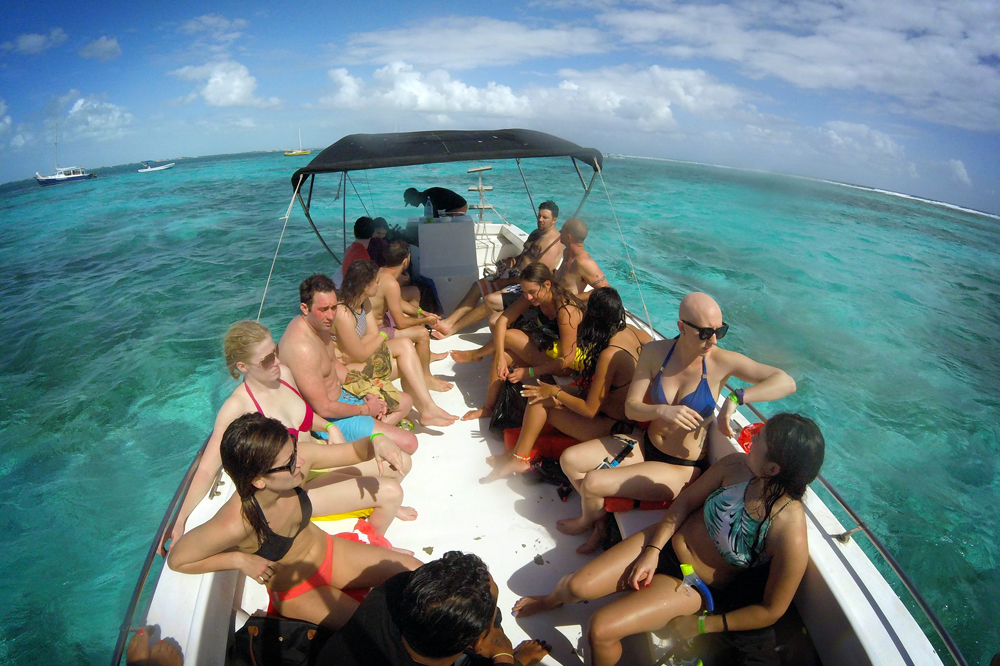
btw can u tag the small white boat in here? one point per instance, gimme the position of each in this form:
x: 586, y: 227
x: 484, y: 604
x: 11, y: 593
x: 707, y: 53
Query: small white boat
x: 146, y: 168
x: 64, y: 175
x: 300, y: 151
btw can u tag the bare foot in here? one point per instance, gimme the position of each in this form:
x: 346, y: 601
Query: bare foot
x: 439, y: 385
x: 437, y: 417
x: 528, y: 606
x: 594, y: 541
x: 474, y: 414
x: 137, y: 652
x: 573, y: 526
x: 503, y: 466
x: 438, y: 356
x: 531, y: 652
x: 441, y: 330
x: 406, y: 513
x: 165, y: 654
x: 466, y: 356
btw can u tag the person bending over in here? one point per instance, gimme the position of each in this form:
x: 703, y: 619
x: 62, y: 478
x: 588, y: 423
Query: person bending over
x: 401, y: 318
x: 551, y: 316
x: 745, y: 511
x: 268, y: 387
x: 443, y: 613
x: 498, y: 294
x: 595, y: 407
x: 442, y: 199
x: 684, y: 377
x: 309, y: 351
x: 359, y: 338
x: 264, y: 531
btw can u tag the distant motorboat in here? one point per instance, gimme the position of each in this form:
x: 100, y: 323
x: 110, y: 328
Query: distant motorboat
x: 293, y: 153
x: 146, y: 167
x: 64, y: 175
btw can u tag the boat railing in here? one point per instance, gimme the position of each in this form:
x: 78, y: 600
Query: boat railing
x: 859, y: 526
x: 175, y: 503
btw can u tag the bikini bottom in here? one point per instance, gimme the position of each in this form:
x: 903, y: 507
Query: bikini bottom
x: 322, y: 578
x: 652, y: 454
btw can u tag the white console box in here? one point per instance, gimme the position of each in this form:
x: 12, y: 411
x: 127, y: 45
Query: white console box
x: 448, y: 256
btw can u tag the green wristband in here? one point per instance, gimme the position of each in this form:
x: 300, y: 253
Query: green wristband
x: 734, y: 399
x: 328, y: 426
x: 385, y: 336
x: 531, y: 371
x: 374, y: 435
x: 701, y: 624
x: 420, y: 312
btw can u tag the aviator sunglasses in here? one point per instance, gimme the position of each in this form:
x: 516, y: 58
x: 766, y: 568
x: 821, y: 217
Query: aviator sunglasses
x: 706, y: 332
x: 290, y: 465
x: 269, y: 360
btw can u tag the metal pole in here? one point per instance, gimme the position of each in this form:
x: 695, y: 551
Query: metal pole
x: 525, y: 181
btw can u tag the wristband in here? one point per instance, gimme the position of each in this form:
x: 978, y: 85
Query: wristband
x: 385, y: 336
x: 739, y: 395
x: 420, y: 312
x: 733, y: 399
x: 701, y: 624
x: 361, y: 409
x: 649, y: 545
x: 327, y: 428
x: 504, y: 654
x: 374, y: 435
x: 531, y: 371
x: 725, y: 624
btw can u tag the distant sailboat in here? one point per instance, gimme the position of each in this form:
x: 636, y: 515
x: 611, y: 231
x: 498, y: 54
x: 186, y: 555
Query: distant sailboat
x: 63, y: 174
x: 293, y: 153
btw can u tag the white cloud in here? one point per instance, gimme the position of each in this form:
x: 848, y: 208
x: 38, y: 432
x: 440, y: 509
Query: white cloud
x: 859, y: 141
x: 34, y: 44
x: 103, y: 49
x: 467, y: 42
x: 5, y: 122
x: 931, y: 58
x: 217, y: 27
x: 958, y: 173
x: 93, y: 118
x: 227, y: 83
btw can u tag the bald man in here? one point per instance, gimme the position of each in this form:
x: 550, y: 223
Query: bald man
x: 578, y: 270
x: 684, y: 378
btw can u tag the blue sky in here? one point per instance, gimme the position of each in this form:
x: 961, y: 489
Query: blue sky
x: 903, y: 96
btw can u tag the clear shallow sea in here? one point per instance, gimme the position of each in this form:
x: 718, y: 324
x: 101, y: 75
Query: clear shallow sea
x: 115, y: 293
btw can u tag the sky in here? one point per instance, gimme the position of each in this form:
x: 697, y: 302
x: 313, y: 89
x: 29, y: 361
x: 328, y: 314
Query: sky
x: 902, y: 96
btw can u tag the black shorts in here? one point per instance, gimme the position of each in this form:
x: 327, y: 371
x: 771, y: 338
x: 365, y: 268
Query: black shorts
x: 652, y: 454
x: 509, y: 299
x: 669, y: 565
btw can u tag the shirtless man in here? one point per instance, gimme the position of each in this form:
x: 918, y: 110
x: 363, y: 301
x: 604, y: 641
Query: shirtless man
x: 543, y: 245
x: 578, y: 270
x: 400, y: 318
x: 308, y: 350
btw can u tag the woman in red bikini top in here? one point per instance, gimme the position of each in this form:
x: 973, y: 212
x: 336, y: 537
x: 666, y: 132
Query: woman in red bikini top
x: 269, y: 389
x: 264, y: 531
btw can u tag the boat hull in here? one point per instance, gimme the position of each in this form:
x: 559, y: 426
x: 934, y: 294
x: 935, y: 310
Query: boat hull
x: 45, y: 181
x: 296, y: 153
x: 159, y: 168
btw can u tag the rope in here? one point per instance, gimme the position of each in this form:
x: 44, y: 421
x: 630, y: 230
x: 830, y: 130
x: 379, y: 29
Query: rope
x: 371, y: 197
x: 288, y: 213
x: 628, y: 255
x: 358, y: 194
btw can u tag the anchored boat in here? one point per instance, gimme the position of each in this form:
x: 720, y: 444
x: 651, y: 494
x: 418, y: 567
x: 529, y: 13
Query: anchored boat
x: 62, y: 174
x: 300, y: 151
x: 844, y: 605
x: 146, y: 168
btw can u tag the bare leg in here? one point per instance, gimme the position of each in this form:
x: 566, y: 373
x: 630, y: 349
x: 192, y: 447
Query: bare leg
x: 474, y: 355
x: 492, y: 392
x: 413, y: 383
x: 446, y: 326
x: 406, y: 441
x: 336, y: 493
x: 422, y: 343
x: 534, y: 420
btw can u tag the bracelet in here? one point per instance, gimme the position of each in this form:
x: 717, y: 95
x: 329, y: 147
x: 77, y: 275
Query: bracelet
x: 733, y: 399
x: 385, y: 336
x: 531, y: 371
x: 376, y: 434
x: 504, y: 654
x: 361, y: 409
x: 420, y: 312
x: 327, y: 428
x: 526, y: 459
x: 649, y: 545
x: 739, y: 395
x: 725, y: 624
x: 701, y: 624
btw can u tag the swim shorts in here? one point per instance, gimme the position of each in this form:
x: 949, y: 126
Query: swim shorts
x: 353, y: 427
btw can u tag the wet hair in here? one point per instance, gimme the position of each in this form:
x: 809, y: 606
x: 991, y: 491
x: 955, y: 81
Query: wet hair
x: 364, y: 227
x: 360, y: 274
x: 446, y: 605
x: 396, y: 253
x: 796, y: 445
x: 550, y: 206
x: 538, y: 273
x: 604, y: 318
x: 576, y: 228
x: 248, y: 449
x: 240, y: 340
x: 315, y: 284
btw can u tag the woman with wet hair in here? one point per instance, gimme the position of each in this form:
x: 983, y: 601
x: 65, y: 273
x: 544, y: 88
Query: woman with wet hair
x: 595, y: 406
x: 743, y: 512
x: 268, y: 388
x: 264, y: 531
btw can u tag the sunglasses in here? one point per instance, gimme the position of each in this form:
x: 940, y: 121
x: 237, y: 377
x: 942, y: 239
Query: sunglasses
x: 290, y: 465
x: 269, y: 360
x: 706, y: 332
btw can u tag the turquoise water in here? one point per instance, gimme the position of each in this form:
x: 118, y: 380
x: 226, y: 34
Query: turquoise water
x: 115, y: 294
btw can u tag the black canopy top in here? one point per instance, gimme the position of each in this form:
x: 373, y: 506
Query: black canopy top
x: 377, y: 151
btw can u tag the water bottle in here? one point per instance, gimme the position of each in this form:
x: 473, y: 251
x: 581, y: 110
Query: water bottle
x: 429, y: 210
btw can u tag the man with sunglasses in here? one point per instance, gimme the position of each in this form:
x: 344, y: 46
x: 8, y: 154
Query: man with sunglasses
x: 442, y: 613
x: 676, y: 388
x: 309, y: 351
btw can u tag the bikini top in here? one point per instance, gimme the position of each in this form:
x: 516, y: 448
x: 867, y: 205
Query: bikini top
x: 361, y: 321
x: 700, y: 400
x: 276, y: 546
x: 630, y: 353
x: 732, y: 528
x: 306, y: 420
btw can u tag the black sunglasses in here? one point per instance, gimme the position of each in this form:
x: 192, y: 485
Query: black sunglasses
x: 290, y: 465
x: 706, y: 332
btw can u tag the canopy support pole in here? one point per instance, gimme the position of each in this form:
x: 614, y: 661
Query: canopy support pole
x: 526, y: 189
x: 343, y: 182
x: 586, y: 188
x: 312, y: 181
x: 313, y: 224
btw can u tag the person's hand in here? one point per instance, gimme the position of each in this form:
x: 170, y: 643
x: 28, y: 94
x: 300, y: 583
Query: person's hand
x: 173, y: 535
x: 431, y: 319
x: 385, y: 449
x: 500, y: 366
x: 376, y: 405
x: 725, y: 419
x: 495, y: 642
x: 531, y: 652
x: 517, y: 375
x: 538, y: 393
x: 681, y: 415
x: 259, y: 569
x: 685, y: 627
x: 643, y: 568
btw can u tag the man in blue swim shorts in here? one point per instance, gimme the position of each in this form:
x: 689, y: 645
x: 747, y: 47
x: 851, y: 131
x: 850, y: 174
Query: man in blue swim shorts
x: 308, y: 350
